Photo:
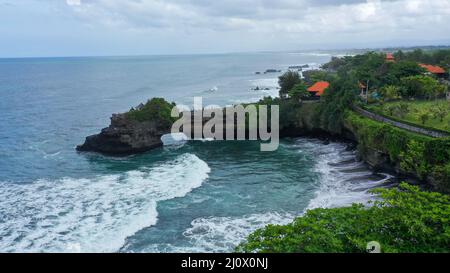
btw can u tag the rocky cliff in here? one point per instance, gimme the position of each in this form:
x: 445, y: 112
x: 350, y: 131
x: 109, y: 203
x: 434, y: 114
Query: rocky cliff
x: 126, y: 136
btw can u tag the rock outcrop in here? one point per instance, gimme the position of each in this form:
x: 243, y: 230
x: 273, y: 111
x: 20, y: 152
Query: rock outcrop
x: 125, y: 136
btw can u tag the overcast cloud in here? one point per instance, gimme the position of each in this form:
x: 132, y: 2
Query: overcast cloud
x: 109, y: 27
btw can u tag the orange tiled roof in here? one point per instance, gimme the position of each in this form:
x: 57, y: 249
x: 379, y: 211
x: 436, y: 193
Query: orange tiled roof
x: 389, y: 57
x: 433, y: 68
x: 319, y: 87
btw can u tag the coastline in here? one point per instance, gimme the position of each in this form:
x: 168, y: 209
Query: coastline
x: 127, y: 137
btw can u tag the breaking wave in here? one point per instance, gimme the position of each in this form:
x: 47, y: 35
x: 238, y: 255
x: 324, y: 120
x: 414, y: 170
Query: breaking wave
x: 342, y: 180
x: 95, y: 214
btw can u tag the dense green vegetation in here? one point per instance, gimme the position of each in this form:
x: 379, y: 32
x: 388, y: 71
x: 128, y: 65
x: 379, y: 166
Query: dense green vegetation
x: 372, y: 68
x: 156, y: 109
x: 422, y: 156
x: 338, y: 98
x: 291, y: 112
x: 439, y: 57
x: 299, y: 92
x: 404, y: 220
x: 313, y: 76
x: 432, y: 114
x: 385, y: 81
x: 287, y: 81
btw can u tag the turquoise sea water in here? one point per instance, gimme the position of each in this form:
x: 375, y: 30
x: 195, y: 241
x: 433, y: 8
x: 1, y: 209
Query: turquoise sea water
x: 198, y: 196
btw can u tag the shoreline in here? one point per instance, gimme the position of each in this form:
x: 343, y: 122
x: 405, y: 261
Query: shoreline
x: 110, y: 141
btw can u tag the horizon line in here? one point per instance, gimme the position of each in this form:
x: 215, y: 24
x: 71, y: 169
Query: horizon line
x: 234, y: 52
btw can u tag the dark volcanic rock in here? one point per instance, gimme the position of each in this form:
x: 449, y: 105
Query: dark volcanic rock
x: 125, y: 136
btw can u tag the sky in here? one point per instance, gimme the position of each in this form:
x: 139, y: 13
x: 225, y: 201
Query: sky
x: 45, y: 28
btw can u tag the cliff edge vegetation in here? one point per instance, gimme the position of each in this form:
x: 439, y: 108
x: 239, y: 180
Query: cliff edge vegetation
x: 384, y: 146
x: 405, y: 220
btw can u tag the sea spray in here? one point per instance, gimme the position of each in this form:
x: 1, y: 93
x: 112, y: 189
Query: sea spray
x: 95, y: 214
x: 340, y: 180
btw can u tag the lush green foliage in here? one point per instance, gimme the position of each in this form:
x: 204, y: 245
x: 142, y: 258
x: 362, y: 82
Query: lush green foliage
x: 313, y: 76
x: 287, y: 81
x: 371, y: 68
x: 418, y: 155
x: 389, y: 80
x: 436, y: 57
x: 404, y: 220
x: 432, y: 114
x: 156, y: 109
x: 291, y: 111
x: 299, y: 91
x: 390, y: 92
x: 420, y: 86
x: 341, y: 94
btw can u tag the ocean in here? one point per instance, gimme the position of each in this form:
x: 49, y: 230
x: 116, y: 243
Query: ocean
x: 202, y: 196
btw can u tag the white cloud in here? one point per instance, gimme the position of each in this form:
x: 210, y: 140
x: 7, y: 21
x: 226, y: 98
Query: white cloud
x: 73, y: 2
x: 232, y: 14
x: 307, y: 22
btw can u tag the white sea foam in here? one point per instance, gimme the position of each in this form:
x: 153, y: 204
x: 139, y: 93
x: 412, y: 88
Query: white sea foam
x: 267, y: 82
x: 91, y: 215
x: 267, y: 87
x: 223, y: 234
x: 342, y: 181
x: 316, y: 54
x: 174, y: 139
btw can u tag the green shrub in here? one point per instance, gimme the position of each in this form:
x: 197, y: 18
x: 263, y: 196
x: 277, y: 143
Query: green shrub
x: 421, y: 86
x: 410, y: 159
x: 336, y: 100
x: 390, y: 92
x: 156, y: 109
x: 405, y: 220
x: 442, y: 173
x: 287, y: 81
x: 299, y: 92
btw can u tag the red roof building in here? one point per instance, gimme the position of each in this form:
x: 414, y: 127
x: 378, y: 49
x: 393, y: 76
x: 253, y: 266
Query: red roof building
x: 434, y: 69
x: 318, y: 88
x: 390, y: 57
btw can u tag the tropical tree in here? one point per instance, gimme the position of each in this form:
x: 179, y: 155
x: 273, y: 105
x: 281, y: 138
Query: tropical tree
x: 422, y: 87
x: 287, y: 81
x: 390, y: 92
x: 424, y: 115
x: 299, y: 91
x: 403, y: 69
x: 440, y: 110
x: 313, y: 76
x: 403, y: 109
